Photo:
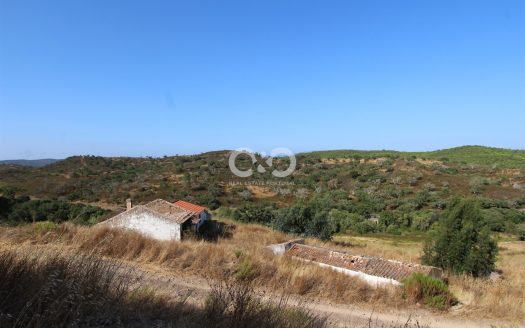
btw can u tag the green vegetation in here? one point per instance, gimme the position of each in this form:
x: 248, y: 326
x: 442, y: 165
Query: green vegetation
x: 462, y: 242
x: 333, y: 213
x: 17, y: 210
x: 478, y: 155
x: 420, y: 288
x: 45, y: 226
x: 256, y: 213
x: 329, y: 192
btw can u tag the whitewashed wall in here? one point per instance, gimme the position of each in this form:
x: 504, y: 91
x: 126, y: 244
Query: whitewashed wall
x: 373, y: 281
x: 147, y: 223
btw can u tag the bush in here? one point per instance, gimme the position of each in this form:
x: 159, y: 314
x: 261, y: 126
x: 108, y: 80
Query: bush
x: 521, y: 235
x: 365, y: 227
x: 462, y: 242
x: 45, y: 226
x: 341, y: 221
x: 420, y: 288
x: 245, y: 271
x: 306, y: 219
x: 23, y: 210
x: 224, y: 212
x: 255, y: 213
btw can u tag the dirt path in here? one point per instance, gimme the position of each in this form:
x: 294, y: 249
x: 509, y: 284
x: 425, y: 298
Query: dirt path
x: 339, y: 315
x: 195, y: 289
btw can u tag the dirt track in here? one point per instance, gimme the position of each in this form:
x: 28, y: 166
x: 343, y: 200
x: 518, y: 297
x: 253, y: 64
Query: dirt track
x: 195, y: 290
x: 339, y: 315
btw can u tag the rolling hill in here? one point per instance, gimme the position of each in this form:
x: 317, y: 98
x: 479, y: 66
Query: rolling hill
x: 29, y: 162
x: 476, y: 155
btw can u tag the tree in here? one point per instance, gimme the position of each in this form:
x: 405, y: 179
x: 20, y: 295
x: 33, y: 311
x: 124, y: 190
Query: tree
x: 308, y: 219
x: 257, y: 213
x: 462, y: 242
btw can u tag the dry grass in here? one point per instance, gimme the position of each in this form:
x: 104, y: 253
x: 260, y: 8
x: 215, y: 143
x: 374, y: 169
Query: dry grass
x: 395, y: 247
x: 78, y: 290
x: 244, y: 256
x: 480, y: 298
x: 38, y: 290
x: 497, y: 299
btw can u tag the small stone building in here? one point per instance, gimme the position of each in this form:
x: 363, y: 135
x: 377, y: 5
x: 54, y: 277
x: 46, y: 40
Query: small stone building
x: 158, y: 219
x: 374, y: 270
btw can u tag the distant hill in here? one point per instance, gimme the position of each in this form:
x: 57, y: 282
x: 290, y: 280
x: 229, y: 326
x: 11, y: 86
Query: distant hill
x: 478, y: 155
x: 30, y: 162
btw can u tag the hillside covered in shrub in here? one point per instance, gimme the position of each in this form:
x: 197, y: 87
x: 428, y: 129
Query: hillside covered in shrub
x: 328, y: 193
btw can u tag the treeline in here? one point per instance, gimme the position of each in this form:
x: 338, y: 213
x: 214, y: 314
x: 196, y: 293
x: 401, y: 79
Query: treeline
x: 21, y: 209
x: 332, y: 212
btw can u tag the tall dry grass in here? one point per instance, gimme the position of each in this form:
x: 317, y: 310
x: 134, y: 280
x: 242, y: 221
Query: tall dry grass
x: 242, y: 254
x: 82, y: 291
x: 88, y: 291
x: 245, y: 256
x: 480, y: 297
x: 504, y: 298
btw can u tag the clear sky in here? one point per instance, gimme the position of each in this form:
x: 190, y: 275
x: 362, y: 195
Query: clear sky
x: 153, y: 78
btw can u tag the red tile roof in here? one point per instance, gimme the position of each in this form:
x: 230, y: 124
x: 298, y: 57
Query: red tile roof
x: 195, y: 209
x: 366, y: 264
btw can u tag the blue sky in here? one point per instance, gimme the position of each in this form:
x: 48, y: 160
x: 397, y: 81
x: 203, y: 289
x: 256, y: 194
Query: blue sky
x: 153, y: 78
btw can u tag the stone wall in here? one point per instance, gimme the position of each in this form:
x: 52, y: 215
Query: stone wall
x: 279, y: 249
x: 147, y: 222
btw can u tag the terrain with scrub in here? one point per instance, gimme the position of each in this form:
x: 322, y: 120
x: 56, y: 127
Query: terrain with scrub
x: 193, y: 267
x: 372, y: 203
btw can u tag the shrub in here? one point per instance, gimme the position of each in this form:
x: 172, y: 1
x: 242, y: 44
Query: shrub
x: 341, y: 221
x: 304, y: 218
x: 521, y: 235
x: 477, y: 184
x: 257, y: 213
x: 224, y: 212
x: 420, y: 288
x: 462, y: 242
x: 44, y: 226
x: 245, y: 271
x: 24, y: 210
x: 365, y: 227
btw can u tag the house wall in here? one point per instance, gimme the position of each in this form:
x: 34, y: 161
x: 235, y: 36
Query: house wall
x: 373, y: 281
x: 148, y: 224
x: 205, y: 215
x: 279, y: 249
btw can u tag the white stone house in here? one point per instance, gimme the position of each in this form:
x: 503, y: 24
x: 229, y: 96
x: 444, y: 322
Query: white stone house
x: 157, y: 219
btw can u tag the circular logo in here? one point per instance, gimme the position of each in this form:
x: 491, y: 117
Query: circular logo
x: 281, y: 151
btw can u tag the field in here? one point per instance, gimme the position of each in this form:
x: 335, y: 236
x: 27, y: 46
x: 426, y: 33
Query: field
x: 503, y: 298
x: 243, y: 256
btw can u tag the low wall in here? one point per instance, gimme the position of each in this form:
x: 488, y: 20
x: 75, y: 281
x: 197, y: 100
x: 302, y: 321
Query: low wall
x: 279, y: 249
x: 371, y: 280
